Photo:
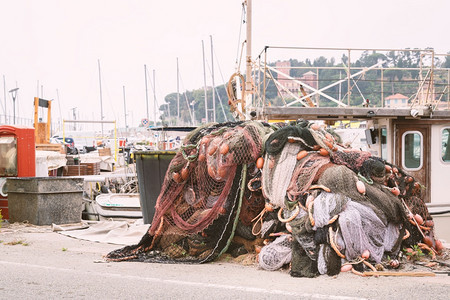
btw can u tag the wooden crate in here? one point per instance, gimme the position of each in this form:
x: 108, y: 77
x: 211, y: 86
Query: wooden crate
x: 50, y: 147
x: 104, y: 152
x: 92, y: 168
x: 75, y: 170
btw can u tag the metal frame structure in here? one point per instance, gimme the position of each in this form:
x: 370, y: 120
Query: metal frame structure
x: 421, y: 98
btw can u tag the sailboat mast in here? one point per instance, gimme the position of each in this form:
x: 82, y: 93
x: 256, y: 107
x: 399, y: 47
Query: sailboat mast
x: 154, y: 96
x: 178, y: 93
x: 212, y: 75
x: 125, y: 111
x: 248, y: 73
x: 146, y: 91
x: 204, y: 80
x: 4, y: 95
x: 101, y: 101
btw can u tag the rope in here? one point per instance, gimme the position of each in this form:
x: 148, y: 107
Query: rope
x: 232, y: 100
x: 294, y: 215
x: 238, y: 211
x: 240, y: 30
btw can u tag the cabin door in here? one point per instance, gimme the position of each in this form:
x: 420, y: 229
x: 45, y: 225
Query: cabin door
x: 412, y: 152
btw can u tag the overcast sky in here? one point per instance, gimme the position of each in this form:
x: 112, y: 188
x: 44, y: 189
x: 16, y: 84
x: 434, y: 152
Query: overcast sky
x: 50, y: 45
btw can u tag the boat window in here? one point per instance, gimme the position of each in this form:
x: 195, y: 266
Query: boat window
x: 412, y: 145
x: 8, y: 156
x: 445, y: 148
x: 383, y: 142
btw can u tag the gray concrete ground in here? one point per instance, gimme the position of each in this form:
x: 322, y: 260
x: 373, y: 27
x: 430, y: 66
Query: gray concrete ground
x: 37, y: 263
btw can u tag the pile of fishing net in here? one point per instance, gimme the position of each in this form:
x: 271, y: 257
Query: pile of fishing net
x: 202, y: 195
x: 291, y: 189
x: 341, y: 207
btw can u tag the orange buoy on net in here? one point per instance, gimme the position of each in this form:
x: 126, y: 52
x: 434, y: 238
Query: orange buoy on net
x: 260, y: 163
x: 302, y: 154
x: 184, y: 174
x: 395, y: 191
x: 365, y: 254
x: 224, y: 149
x: 323, y: 152
x: 222, y: 172
x: 268, y: 206
x: 176, y: 177
x: 361, y: 187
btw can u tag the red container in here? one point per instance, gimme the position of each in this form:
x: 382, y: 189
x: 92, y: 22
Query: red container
x: 17, y: 157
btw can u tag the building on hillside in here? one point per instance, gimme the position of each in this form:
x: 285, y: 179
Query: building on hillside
x: 396, y: 101
x: 309, y: 78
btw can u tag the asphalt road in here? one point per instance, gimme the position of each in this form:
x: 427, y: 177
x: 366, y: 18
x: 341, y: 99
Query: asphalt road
x: 36, y: 263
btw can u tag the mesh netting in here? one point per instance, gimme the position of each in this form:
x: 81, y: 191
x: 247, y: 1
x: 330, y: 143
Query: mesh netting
x: 196, y: 210
x: 342, y: 180
x: 276, y: 254
x: 361, y: 230
x: 276, y: 173
x: 336, y: 203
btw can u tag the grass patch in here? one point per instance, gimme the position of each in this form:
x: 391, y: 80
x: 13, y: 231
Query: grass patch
x: 17, y: 242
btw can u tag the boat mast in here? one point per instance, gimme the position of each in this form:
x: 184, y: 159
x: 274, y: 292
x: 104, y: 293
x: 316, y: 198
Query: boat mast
x: 154, y: 96
x: 4, y: 95
x: 248, y: 73
x: 204, y: 82
x: 146, y: 91
x: 125, y: 112
x: 101, y: 102
x: 178, y: 93
x: 212, y: 75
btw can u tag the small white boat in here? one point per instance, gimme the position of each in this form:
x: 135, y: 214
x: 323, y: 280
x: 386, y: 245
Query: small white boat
x: 118, y: 206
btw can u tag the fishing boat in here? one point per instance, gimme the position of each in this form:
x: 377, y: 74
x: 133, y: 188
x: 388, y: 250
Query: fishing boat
x: 415, y: 136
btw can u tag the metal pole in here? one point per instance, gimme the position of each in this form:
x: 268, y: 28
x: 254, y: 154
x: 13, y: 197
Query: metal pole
x: 382, y: 87
x: 116, y: 150
x: 74, y: 117
x: 13, y: 96
x: 265, y: 76
x: 101, y: 101
x: 178, y: 93
x: 14, y: 109
x: 317, y: 96
x: 348, y: 80
x: 340, y: 85
x: 431, y: 86
x: 4, y: 95
x: 154, y: 96
x: 146, y: 91
x: 16, y: 98
x: 248, y: 73
x: 212, y: 75
x: 125, y: 110
x: 421, y: 79
x: 204, y: 81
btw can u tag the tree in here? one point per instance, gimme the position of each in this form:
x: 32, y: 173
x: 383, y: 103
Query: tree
x: 446, y: 63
